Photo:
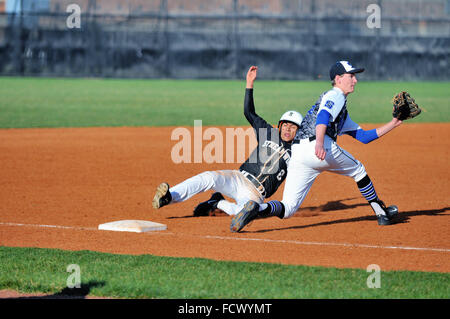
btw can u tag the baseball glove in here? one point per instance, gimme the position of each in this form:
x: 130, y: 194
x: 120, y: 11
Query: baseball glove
x: 405, y: 107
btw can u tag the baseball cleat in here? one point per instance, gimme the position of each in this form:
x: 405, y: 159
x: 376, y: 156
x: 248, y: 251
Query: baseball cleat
x: 389, y: 214
x: 383, y: 220
x: 248, y: 213
x: 206, y: 208
x: 162, y: 196
x: 392, y: 211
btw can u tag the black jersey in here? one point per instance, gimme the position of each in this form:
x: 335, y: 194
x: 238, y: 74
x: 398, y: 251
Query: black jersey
x: 266, y: 167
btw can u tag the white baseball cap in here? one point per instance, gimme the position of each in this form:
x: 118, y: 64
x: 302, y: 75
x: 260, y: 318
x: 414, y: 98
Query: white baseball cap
x: 342, y: 67
x: 291, y: 116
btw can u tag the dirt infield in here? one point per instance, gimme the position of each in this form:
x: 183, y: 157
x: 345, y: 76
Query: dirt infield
x: 58, y: 185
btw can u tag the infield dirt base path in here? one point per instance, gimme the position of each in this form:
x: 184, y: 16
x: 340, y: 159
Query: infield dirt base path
x: 58, y: 185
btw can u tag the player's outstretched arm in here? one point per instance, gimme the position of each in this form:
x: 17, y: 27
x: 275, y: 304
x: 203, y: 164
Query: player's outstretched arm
x: 249, y: 106
x: 371, y: 135
x: 386, y: 128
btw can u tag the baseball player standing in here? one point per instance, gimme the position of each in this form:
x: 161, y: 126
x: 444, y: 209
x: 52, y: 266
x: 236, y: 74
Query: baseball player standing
x: 257, y: 178
x: 315, y: 150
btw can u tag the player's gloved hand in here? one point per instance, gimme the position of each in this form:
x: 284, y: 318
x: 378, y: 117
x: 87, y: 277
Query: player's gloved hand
x: 404, y: 107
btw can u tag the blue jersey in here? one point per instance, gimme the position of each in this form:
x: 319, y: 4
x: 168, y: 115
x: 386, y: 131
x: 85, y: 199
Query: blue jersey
x: 335, y: 103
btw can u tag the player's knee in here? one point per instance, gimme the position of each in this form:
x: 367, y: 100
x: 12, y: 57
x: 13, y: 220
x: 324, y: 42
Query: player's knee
x: 359, y: 172
x: 206, y: 174
x: 207, y: 179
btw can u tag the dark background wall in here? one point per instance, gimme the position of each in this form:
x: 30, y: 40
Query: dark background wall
x: 289, y: 39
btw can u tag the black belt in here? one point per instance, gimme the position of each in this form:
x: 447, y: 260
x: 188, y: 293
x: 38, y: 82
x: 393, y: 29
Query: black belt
x: 255, y: 182
x: 311, y: 138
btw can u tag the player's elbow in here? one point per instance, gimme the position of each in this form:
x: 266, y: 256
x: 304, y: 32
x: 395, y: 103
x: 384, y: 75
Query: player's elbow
x: 364, y: 141
x: 364, y: 137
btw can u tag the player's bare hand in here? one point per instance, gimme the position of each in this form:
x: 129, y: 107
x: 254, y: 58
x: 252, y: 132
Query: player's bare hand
x: 320, y: 152
x: 251, y: 76
x: 396, y: 122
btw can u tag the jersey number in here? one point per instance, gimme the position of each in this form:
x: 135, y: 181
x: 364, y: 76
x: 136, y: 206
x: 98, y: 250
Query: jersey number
x: 281, y: 174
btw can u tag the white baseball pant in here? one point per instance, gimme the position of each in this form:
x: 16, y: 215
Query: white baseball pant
x: 304, y: 167
x: 231, y: 183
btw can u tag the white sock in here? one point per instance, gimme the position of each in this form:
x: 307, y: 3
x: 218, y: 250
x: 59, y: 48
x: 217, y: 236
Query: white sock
x: 377, y: 209
x: 229, y: 208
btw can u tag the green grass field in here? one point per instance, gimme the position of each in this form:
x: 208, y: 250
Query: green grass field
x: 39, y: 102
x: 146, y: 276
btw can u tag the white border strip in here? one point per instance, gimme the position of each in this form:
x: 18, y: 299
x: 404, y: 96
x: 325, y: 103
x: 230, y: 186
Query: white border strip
x: 294, y: 242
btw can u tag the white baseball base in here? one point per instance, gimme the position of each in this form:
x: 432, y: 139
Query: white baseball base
x: 135, y: 226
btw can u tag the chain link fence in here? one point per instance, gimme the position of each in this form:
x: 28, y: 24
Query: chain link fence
x: 288, y: 39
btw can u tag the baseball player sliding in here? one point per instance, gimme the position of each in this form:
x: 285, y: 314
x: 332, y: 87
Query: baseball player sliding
x: 257, y: 178
x: 315, y: 150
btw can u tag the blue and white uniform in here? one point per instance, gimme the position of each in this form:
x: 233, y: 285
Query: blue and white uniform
x: 304, y: 166
x: 307, y: 163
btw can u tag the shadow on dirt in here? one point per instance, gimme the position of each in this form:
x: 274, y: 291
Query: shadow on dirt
x: 307, y: 211
x: 403, y: 217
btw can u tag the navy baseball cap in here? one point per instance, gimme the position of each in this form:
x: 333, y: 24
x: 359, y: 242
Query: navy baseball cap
x: 342, y: 67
